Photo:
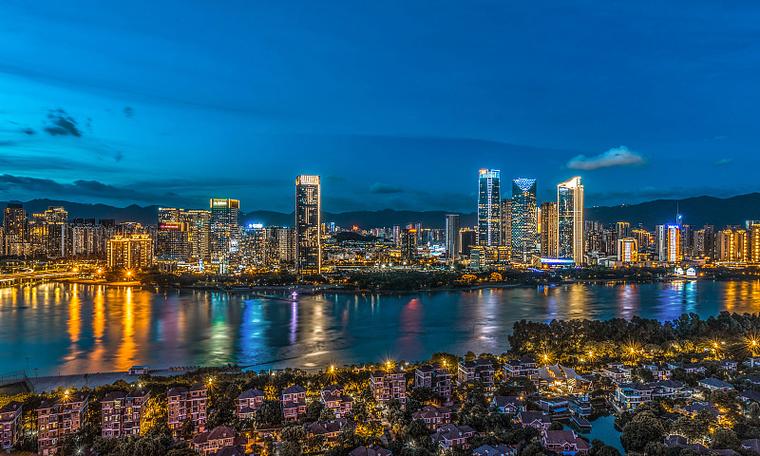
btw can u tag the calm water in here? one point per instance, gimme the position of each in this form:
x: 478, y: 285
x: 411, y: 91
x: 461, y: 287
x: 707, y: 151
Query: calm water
x: 58, y: 328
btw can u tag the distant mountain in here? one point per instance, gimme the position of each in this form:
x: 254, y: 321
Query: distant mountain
x: 696, y: 211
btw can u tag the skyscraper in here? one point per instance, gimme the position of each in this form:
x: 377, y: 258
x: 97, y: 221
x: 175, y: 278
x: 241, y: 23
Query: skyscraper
x: 506, y: 223
x: 172, y: 236
x: 524, y: 220
x: 225, y: 228
x: 627, y: 250
x: 570, y: 220
x: 452, y: 237
x: 308, y: 223
x: 409, y: 245
x: 673, y: 252
x: 14, y: 229
x: 489, y: 207
x: 198, y: 233
x: 549, y: 230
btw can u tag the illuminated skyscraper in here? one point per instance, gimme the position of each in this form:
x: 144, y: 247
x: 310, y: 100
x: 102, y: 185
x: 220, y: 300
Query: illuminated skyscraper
x: 452, y: 237
x: 409, y: 245
x: 172, y: 236
x: 198, y: 233
x: 308, y: 225
x: 506, y: 223
x: 55, y: 218
x: 467, y: 239
x: 524, y: 220
x: 754, y: 229
x: 131, y: 251
x: 627, y: 250
x: 549, y: 230
x: 672, y: 247
x: 14, y: 229
x: 570, y: 220
x: 733, y: 245
x: 225, y: 228
x: 489, y: 207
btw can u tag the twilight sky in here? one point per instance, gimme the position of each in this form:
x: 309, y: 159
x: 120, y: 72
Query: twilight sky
x: 395, y: 103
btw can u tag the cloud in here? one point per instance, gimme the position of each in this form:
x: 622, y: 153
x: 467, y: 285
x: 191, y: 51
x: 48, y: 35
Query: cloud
x: 28, y: 131
x: 724, y: 161
x: 62, y: 124
x: 384, y: 189
x: 90, y: 188
x: 129, y: 112
x: 617, y: 156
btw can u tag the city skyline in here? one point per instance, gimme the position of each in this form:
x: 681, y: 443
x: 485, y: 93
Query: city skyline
x: 665, y: 113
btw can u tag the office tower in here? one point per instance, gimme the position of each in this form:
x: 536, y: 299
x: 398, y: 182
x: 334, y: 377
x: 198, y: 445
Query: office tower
x: 224, y: 233
x: 661, y: 239
x: 130, y: 251
x: 198, y: 223
x: 48, y: 232
x: 643, y: 238
x: 549, y: 230
x: 409, y: 245
x: 570, y: 220
x: 524, y: 223
x: 489, y: 207
x: 172, y: 236
x: 687, y: 241
x: 467, y: 239
x: 506, y: 223
x: 308, y: 225
x: 627, y: 250
x: 253, y: 246
x: 733, y: 245
x: 14, y: 229
x: 452, y: 237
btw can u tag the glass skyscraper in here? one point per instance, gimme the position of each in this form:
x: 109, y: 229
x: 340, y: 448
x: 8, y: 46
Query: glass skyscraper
x: 524, y: 220
x: 308, y: 225
x: 225, y: 228
x: 489, y: 207
x: 570, y: 220
x: 452, y: 237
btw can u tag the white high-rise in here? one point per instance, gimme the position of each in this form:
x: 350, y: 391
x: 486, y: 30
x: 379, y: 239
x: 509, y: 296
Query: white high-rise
x: 570, y: 220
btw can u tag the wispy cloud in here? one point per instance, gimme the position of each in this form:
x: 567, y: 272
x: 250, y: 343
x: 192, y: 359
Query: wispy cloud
x: 724, y: 161
x: 617, y: 156
x: 62, y: 124
x: 384, y: 189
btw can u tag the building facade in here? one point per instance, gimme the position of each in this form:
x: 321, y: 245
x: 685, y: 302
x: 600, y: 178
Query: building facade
x: 549, y: 230
x: 489, y: 207
x: 524, y: 220
x: 308, y: 225
x: 570, y: 220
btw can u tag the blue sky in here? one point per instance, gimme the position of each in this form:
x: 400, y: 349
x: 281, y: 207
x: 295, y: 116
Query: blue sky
x: 395, y: 103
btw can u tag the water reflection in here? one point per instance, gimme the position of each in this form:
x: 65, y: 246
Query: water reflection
x: 80, y: 328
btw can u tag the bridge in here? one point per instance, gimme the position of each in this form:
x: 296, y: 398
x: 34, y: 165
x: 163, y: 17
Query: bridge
x: 29, y: 278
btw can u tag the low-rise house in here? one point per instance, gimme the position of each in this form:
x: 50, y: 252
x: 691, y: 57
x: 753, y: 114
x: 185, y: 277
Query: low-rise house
x: 659, y: 371
x: 121, y: 412
x: 293, y: 403
x: 480, y: 370
x: 580, y: 405
x: 562, y: 379
x: 689, y: 368
x: 748, y: 397
x: 211, y: 442
x: 617, y: 372
x: 693, y: 409
x: 714, y: 384
x: 495, y: 450
x: 329, y: 430
x: 729, y: 365
x: 508, y: 405
x: 138, y: 370
x: 433, y: 417
x: 751, y: 444
x: 10, y: 424
x: 334, y: 399
x: 564, y: 442
x: 752, y: 362
x: 453, y: 436
x: 434, y: 377
x: 58, y: 419
x: 628, y: 396
x: 537, y: 420
x: 557, y: 407
x: 187, y: 404
x: 752, y: 379
x: 248, y: 402
x: 373, y: 450
x: 523, y: 367
x: 388, y: 385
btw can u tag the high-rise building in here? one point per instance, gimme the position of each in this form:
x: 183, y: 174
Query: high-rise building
x: 549, y: 230
x: 754, y: 237
x: 673, y: 244
x: 452, y: 237
x: 506, y: 223
x: 627, y: 250
x: 489, y: 207
x: 733, y: 245
x: 172, y: 236
x: 281, y: 246
x: 622, y: 229
x: 14, y: 230
x: 467, y: 239
x: 54, y: 219
x: 409, y: 245
x: 643, y: 238
x: 570, y: 220
x: 198, y: 224
x: 224, y: 230
x: 524, y: 220
x: 130, y: 251
x: 308, y: 225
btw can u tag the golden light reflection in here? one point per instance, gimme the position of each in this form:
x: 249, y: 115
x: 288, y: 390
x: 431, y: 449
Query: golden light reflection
x: 127, y: 348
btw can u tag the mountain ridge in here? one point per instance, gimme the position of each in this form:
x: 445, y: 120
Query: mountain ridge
x: 696, y: 211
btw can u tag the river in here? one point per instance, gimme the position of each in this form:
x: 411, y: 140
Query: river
x: 57, y: 328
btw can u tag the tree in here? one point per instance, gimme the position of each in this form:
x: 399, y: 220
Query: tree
x: 725, y: 438
x: 314, y: 410
x: 268, y: 415
x: 641, y: 430
x: 599, y: 448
